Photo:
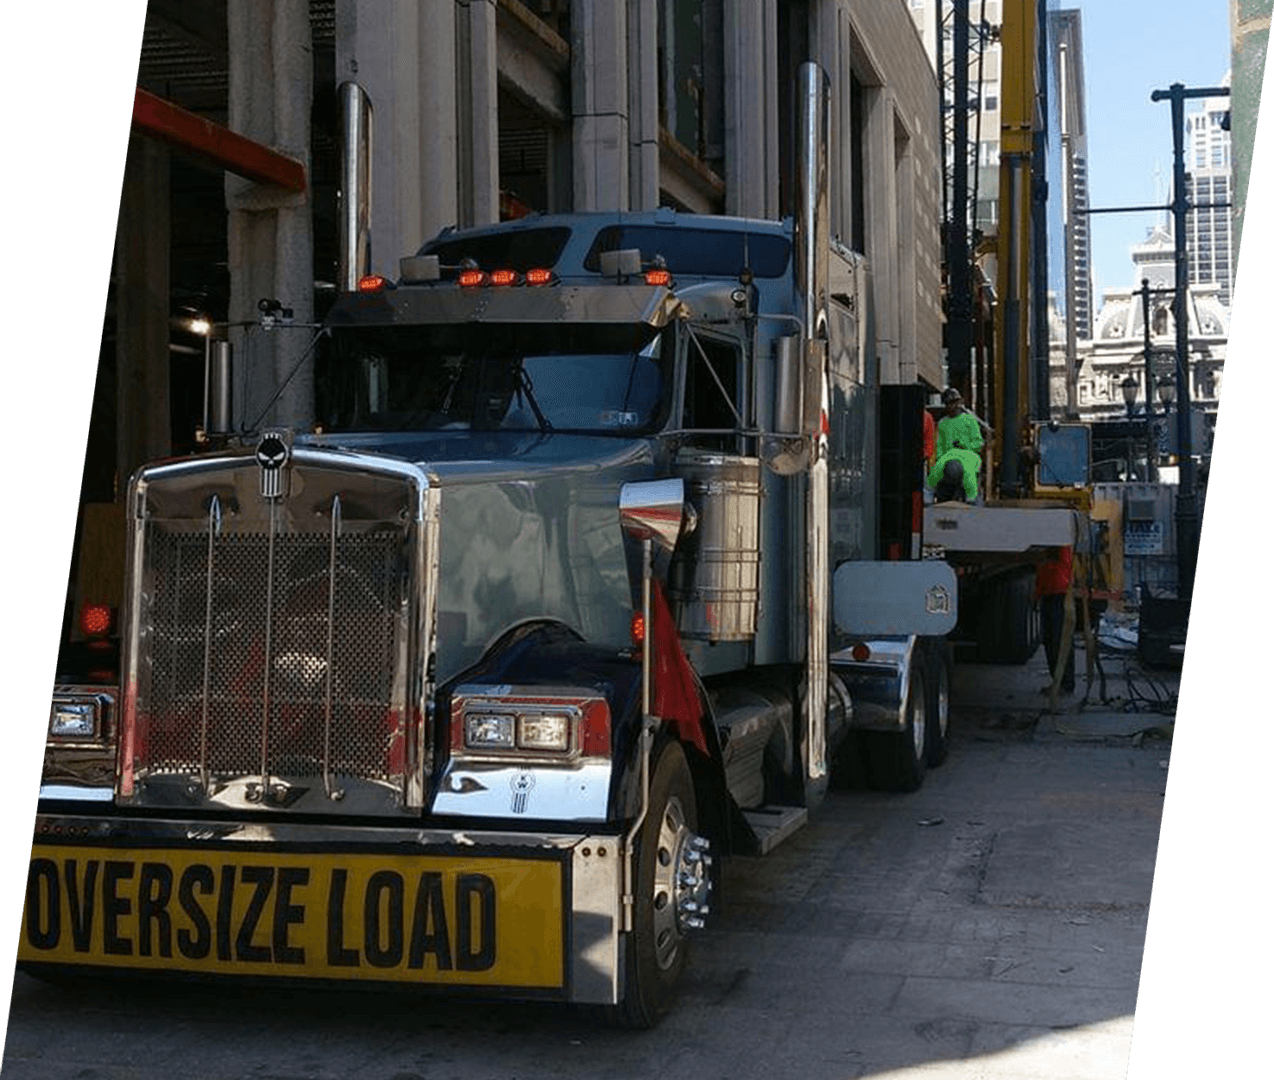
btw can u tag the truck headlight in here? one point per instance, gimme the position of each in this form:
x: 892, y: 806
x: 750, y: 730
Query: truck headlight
x: 488, y: 731
x: 544, y: 731
x: 73, y: 720
x: 550, y: 723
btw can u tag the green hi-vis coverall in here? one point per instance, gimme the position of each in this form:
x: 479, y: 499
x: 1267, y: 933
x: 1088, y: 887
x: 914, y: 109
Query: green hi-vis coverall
x: 971, y: 462
x: 963, y: 428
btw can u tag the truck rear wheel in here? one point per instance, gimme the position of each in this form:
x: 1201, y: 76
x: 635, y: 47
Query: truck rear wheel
x: 1009, y: 624
x: 937, y: 703
x: 896, y: 760
x: 671, y: 873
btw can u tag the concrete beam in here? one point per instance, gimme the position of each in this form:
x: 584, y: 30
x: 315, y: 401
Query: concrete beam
x: 687, y: 179
x: 534, y: 63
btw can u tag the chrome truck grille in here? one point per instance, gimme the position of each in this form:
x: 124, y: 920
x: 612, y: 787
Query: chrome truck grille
x: 276, y: 644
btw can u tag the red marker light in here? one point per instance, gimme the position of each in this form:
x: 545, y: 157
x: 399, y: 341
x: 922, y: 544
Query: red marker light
x: 372, y: 283
x: 95, y: 620
x: 658, y: 277
x: 469, y: 278
x: 861, y: 653
x: 504, y: 277
x: 638, y: 628
x: 539, y: 276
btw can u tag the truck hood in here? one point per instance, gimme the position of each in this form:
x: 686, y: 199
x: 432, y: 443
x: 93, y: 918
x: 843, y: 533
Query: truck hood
x: 474, y: 456
x: 528, y: 529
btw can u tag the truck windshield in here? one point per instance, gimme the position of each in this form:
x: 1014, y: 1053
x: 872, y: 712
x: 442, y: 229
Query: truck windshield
x: 578, y: 377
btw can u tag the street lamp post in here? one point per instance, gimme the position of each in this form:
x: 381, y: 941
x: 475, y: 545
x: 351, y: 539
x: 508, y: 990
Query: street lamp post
x: 1187, y: 505
x: 1151, y: 471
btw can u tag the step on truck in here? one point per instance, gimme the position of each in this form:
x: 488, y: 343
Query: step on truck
x: 573, y: 587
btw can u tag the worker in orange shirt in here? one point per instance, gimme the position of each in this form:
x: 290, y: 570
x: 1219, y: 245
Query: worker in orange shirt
x: 1052, y: 586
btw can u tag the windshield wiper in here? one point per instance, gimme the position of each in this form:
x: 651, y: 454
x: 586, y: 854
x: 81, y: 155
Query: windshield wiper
x: 524, y: 387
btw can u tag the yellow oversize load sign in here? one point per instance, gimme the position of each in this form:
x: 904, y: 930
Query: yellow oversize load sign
x: 469, y: 921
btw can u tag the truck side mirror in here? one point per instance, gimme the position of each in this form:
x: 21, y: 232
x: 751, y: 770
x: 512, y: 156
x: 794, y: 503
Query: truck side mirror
x: 787, y: 450
x: 653, y: 510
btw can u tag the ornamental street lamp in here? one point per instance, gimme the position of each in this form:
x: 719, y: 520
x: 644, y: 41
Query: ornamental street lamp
x: 1129, y: 388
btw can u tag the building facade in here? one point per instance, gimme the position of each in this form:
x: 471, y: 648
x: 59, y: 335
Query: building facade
x: 1117, y: 350
x: 1069, y: 148
x: 1209, y: 188
x: 482, y: 110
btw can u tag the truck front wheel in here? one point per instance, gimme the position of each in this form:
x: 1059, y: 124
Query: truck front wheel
x: 669, y: 895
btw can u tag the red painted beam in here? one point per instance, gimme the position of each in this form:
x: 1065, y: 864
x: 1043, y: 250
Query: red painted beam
x: 215, y: 144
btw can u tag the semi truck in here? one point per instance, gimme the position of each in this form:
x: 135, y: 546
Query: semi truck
x: 604, y: 544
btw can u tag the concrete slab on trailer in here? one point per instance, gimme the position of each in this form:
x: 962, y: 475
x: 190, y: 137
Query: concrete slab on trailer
x: 960, y: 528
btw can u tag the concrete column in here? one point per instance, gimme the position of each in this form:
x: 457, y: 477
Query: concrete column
x: 643, y: 104
x: 751, y: 108
x: 905, y: 268
x: 479, y: 135
x: 404, y: 56
x: 1250, y: 32
x: 881, y: 193
x: 142, y: 422
x: 271, y: 231
x: 437, y: 135
x: 830, y: 46
x: 599, y: 104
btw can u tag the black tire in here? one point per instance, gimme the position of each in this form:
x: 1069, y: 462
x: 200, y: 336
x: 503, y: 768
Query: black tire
x: 1009, y: 622
x: 897, y: 759
x: 655, y: 952
x: 937, y: 703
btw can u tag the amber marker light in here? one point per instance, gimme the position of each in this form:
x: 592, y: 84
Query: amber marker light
x: 658, y: 277
x: 504, y: 277
x: 539, y: 276
x: 637, y: 628
x: 470, y: 278
x: 372, y: 283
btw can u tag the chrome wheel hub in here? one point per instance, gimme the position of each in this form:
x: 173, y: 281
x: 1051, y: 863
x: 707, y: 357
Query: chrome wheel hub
x: 918, y: 718
x: 682, y: 883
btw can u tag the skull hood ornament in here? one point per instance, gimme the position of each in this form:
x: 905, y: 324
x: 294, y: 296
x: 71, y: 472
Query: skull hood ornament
x: 273, y: 453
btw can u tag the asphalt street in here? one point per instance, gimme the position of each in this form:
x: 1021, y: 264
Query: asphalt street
x: 988, y: 926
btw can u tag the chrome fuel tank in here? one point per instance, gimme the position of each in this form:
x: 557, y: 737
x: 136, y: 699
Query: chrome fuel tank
x: 714, y: 575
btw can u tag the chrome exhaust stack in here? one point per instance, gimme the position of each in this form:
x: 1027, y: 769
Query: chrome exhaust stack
x: 812, y: 258
x: 812, y: 236
x: 218, y: 392
x: 354, y: 257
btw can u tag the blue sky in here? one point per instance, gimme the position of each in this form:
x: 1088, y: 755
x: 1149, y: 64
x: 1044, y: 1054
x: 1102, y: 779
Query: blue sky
x: 1132, y: 47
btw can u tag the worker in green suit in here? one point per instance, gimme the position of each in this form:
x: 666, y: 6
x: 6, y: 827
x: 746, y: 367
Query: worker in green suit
x: 954, y: 476
x: 959, y: 427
